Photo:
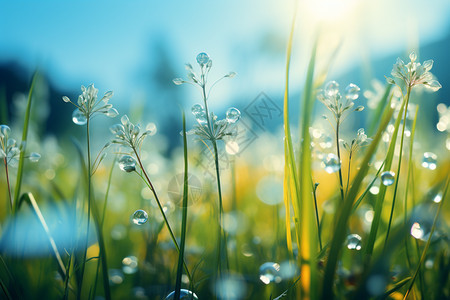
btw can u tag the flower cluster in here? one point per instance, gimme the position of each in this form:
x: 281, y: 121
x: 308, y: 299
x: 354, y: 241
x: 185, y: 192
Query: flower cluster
x: 332, y: 99
x: 87, y: 105
x: 219, y: 128
x: 205, y: 64
x: 9, y: 151
x: 360, y: 141
x: 128, y: 134
x: 209, y: 128
x: 413, y: 74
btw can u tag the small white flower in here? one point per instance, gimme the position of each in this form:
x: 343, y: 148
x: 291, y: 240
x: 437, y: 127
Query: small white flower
x: 88, y: 104
x: 332, y: 99
x: 413, y: 73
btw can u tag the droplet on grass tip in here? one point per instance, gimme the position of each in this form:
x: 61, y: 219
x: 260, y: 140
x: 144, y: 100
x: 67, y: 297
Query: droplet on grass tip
x: 127, y: 163
x: 353, y: 242
x: 269, y: 272
x: 387, y: 178
x: 429, y: 160
x: 233, y: 115
x: 331, y: 163
x: 184, y: 295
x: 140, y: 217
x: 78, y: 117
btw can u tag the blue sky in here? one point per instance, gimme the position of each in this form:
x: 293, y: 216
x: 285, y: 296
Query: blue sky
x: 110, y: 42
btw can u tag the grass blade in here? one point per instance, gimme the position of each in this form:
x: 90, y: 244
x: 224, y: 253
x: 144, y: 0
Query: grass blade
x: 184, y: 216
x: 342, y: 219
x: 382, y: 193
x: 308, y: 246
x: 290, y: 182
x: 23, y: 144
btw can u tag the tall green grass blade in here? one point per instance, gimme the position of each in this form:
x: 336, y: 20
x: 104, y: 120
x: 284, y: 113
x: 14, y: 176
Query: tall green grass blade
x: 339, y: 233
x: 397, y: 177
x: 382, y: 193
x: 290, y: 182
x: 24, y: 144
x: 433, y: 228
x: 308, y: 246
x: 408, y: 179
x: 184, y: 215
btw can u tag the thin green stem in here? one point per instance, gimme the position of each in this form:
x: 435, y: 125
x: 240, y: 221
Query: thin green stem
x: 399, y: 166
x: 150, y: 186
x: 348, y: 171
x: 338, y: 152
x: 221, y: 234
x: 317, y: 214
x: 8, y: 184
x: 89, y: 208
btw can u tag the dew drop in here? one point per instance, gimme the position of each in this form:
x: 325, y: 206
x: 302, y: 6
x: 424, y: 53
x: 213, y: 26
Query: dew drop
x: 269, y: 272
x: 387, y: 178
x: 115, y: 276
x: 140, y: 217
x: 354, y: 242
x: 130, y: 264
x: 202, y: 59
x: 201, y: 118
x: 233, y: 115
x: 429, y: 160
x: 127, y: 163
x: 196, y: 109
x: 78, y: 117
x: 331, y: 163
x: 416, y: 231
x: 34, y: 157
x: 331, y: 88
x: 184, y: 295
x: 5, y: 130
x: 352, y: 91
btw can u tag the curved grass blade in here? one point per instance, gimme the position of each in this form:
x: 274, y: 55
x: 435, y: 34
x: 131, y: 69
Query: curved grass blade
x: 29, y: 198
x: 24, y: 144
